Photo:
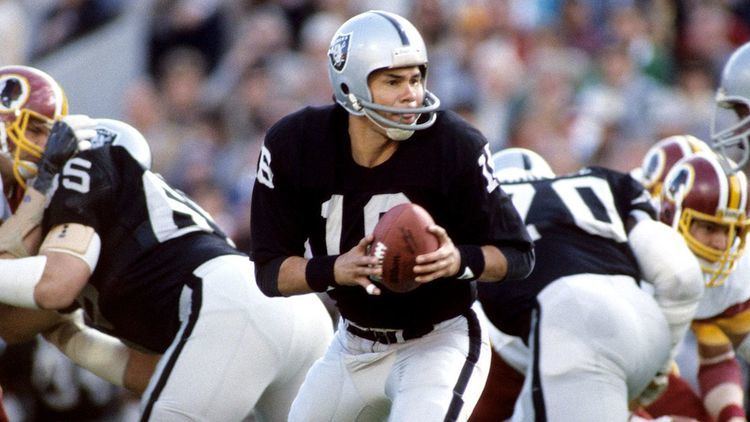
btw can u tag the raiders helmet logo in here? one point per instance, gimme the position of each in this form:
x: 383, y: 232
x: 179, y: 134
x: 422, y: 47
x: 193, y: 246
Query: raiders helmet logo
x: 339, y: 51
x: 103, y: 137
x: 14, y: 92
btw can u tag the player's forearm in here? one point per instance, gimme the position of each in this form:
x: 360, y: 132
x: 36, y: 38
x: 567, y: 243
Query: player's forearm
x: 19, y: 325
x: 20, y: 235
x: 506, y: 264
x: 101, y: 354
x: 139, y: 370
x: 282, y: 276
x: 292, y: 279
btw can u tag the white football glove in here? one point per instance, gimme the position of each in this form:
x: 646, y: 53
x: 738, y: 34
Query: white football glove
x: 84, y: 128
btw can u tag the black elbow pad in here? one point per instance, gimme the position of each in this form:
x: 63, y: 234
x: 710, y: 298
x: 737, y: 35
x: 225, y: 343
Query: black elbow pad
x: 267, y: 276
x: 520, y: 263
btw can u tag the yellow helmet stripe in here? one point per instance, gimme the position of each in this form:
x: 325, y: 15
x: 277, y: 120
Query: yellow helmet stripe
x: 735, y: 192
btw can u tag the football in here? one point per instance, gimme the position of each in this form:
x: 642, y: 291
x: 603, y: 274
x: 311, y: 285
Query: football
x: 399, y: 237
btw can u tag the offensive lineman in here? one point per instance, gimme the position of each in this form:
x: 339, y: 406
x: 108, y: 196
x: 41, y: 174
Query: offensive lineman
x: 149, y: 267
x: 591, y: 331
x: 326, y: 174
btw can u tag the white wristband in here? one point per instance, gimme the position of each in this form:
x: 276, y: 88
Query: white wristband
x: 18, y: 279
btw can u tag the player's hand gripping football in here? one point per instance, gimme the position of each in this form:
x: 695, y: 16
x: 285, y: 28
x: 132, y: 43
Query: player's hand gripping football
x: 61, y: 145
x: 355, y: 267
x: 444, y: 262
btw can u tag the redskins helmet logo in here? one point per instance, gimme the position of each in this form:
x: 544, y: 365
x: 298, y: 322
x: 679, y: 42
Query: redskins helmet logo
x: 654, y: 167
x: 339, y: 51
x: 681, y: 183
x: 14, y: 92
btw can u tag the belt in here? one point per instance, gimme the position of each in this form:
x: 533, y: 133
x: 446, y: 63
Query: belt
x: 386, y: 336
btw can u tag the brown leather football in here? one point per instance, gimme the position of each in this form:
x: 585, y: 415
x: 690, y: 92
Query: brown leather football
x: 400, y: 236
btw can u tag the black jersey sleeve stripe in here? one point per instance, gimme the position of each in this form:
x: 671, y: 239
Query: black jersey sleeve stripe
x: 475, y: 347
x: 196, y: 302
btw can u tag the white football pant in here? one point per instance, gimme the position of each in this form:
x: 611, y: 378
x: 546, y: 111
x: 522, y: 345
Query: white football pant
x: 237, y: 350
x: 597, y: 341
x: 437, y: 377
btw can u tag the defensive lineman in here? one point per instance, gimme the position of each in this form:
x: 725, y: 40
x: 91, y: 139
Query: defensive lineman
x: 149, y: 267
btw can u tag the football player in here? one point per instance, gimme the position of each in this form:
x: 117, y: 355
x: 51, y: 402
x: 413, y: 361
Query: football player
x: 679, y: 398
x: 152, y: 270
x: 721, y: 327
x: 326, y: 175
x: 590, y: 330
x: 30, y: 101
x: 708, y: 207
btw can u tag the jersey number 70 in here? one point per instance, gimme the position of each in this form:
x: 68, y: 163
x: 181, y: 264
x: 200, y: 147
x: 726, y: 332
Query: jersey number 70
x: 583, y: 197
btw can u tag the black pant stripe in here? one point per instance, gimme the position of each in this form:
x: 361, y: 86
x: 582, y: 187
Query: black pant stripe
x: 196, y: 299
x: 475, y: 347
x: 540, y: 411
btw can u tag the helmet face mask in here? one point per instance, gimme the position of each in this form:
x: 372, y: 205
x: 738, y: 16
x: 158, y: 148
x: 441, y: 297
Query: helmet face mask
x: 699, y: 191
x: 30, y: 101
x: 373, y: 41
x: 730, y: 132
x: 730, y: 124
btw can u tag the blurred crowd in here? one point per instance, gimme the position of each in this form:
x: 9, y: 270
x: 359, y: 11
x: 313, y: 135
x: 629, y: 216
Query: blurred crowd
x: 579, y: 81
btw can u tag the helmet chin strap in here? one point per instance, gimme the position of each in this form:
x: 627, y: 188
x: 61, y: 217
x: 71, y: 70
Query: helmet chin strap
x: 393, y: 133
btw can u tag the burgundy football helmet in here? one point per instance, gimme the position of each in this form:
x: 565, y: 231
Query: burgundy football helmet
x: 698, y: 188
x: 660, y: 158
x: 27, y: 96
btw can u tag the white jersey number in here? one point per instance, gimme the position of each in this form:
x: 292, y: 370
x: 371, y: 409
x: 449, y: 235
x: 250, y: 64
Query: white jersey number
x: 75, y: 175
x: 332, y: 211
x: 582, y: 196
x: 171, y: 213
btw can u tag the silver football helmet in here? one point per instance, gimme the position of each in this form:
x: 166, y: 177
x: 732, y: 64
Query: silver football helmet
x: 520, y: 164
x: 730, y: 125
x: 368, y: 42
x: 115, y: 132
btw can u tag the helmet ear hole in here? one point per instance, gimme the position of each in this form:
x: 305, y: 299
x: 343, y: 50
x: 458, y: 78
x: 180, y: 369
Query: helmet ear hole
x: 345, y: 88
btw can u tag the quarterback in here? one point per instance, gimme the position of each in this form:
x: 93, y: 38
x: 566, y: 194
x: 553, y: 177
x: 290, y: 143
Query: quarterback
x: 325, y: 176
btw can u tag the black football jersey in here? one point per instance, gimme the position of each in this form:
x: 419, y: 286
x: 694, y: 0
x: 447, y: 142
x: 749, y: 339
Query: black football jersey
x: 309, y: 188
x: 152, y: 237
x: 578, y: 223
